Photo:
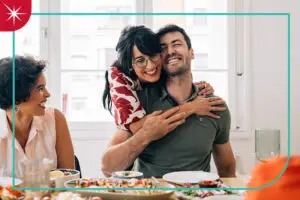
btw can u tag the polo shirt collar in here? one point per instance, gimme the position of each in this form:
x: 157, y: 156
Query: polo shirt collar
x: 194, y: 94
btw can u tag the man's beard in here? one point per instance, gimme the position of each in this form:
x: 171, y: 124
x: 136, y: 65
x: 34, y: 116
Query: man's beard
x: 180, y: 71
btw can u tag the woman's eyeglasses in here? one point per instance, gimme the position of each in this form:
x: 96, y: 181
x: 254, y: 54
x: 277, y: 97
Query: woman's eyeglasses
x: 143, y: 62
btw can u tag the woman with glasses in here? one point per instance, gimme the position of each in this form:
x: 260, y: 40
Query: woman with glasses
x: 138, y: 65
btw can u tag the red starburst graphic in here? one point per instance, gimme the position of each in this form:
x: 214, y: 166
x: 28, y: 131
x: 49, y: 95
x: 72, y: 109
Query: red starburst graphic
x: 14, y: 14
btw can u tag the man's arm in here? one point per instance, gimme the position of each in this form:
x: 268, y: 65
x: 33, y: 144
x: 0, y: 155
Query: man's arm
x: 124, y: 147
x: 122, y: 150
x: 222, y: 152
x: 224, y: 159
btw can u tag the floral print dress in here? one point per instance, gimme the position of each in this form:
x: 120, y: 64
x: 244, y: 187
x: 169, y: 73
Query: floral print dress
x: 126, y: 105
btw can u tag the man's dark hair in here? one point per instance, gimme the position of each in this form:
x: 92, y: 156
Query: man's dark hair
x: 174, y: 28
x: 27, y: 72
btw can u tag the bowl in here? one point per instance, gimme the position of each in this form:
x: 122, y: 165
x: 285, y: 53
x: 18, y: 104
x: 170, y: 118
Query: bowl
x: 59, y: 176
x: 127, y: 175
x: 208, y: 184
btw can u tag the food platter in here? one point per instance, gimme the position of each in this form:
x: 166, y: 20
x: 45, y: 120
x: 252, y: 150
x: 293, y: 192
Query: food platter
x: 132, y: 189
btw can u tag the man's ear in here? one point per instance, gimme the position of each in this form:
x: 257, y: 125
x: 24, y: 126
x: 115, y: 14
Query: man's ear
x: 192, y: 54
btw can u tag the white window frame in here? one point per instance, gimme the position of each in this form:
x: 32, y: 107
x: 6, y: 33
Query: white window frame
x: 238, y: 76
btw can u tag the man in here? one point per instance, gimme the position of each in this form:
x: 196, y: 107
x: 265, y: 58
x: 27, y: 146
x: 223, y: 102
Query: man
x: 190, y: 145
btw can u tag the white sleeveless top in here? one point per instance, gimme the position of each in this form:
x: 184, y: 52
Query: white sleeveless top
x: 41, y: 143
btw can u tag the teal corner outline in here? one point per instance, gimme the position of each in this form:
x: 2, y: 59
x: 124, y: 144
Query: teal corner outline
x: 158, y: 14
x: 13, y: 106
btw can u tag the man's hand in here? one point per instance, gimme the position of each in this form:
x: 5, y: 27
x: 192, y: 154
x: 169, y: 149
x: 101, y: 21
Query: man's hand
x: 160, y: 123
x: 204, y: 106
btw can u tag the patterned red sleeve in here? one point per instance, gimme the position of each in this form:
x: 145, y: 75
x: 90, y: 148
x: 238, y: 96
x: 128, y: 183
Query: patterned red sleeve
x: 126, y: 105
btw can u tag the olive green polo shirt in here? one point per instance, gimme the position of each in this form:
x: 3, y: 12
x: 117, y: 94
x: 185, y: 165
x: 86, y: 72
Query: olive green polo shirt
x: 186, y: 148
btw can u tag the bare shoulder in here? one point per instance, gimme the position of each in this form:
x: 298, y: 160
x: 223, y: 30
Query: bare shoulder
x: 59, y: 115
x: 60, y: 121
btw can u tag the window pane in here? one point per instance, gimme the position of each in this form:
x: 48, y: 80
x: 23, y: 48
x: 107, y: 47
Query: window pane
x: 199, y: 20
x: 219, y: 81
x: 82, y: 96
x: 88, y: 43
x: 86, y: 40
x: 208, y: 33
x: 200, y: 62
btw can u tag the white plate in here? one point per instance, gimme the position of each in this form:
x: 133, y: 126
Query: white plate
x: 225, y: 197
x: 124, y: 196
x: 190, y: 177
x: 5, y: 181
x: 130, y: 174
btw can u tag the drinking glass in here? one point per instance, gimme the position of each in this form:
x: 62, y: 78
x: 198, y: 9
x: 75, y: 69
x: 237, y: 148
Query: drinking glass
x: 267, y: 143
x: 36, y: 173
x: 4, y: 172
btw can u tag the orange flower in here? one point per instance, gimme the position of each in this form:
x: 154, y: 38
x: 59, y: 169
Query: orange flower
x: 286, y: 187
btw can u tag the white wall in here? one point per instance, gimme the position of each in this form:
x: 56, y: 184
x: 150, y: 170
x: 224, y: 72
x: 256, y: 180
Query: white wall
x: 268, y: 74
x: 269, y: 59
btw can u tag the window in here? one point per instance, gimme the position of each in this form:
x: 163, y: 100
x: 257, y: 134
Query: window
x: 110, y: 56
x: 209, y: 44
x: 114, y: 22
x: 86, y: 54
x: 81, y: 48
x: 211, y: 35
x: 199, y: 20
x: 200, y: 62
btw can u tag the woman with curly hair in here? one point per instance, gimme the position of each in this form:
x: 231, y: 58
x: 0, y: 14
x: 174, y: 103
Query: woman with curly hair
x: 40, y: 132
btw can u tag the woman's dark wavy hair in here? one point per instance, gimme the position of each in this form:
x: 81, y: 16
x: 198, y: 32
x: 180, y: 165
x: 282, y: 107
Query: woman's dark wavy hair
x: 147, y: 43
x: 27, y: 72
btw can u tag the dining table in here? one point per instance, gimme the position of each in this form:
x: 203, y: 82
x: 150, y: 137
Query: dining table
x: 235, y: 182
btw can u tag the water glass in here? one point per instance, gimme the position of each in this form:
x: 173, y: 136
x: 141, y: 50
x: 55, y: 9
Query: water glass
x: 4, y: 172
x: 267, y: 143
x: 36, y: 173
